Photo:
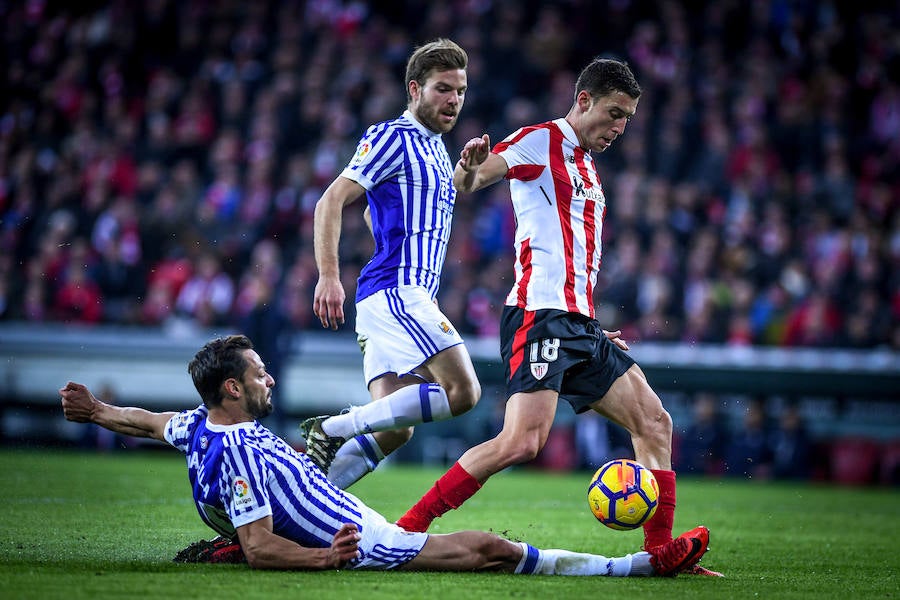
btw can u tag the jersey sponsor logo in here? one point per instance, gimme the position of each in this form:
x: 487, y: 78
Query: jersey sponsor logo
x: 243, y: 495
x: 538, y: 370
x: 577, y: 186
x: 361, y: 151
x: 589, y: 193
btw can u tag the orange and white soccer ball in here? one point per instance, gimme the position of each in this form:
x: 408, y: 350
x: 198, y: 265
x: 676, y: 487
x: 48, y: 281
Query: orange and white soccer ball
x: 623, y: 494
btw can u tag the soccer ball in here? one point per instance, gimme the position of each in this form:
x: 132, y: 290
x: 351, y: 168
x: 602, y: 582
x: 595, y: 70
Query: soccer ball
x: 623, y: 494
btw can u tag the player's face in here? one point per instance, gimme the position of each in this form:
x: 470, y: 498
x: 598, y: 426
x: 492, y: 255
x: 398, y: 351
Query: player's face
x: 437, y: 101
x: 257, y: 384
x: 604, y: 119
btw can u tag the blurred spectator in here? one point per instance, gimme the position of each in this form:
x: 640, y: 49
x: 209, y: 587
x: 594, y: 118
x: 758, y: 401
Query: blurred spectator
x: 119, y: 270
x: 748, y: 452
x: 791, y: 446
x: 166, y: 279
x: 207, y: 296
x: 78, y: 298
x: 598, y: 441
x: 814, y: 322
x: 701, y: 447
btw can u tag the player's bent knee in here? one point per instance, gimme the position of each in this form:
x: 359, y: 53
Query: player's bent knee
x: 392, y: 439
x: 523, y: 451
x: 404, y: 434
x: 662, y: 426
x: 463, y: 397
x: 513, y: 447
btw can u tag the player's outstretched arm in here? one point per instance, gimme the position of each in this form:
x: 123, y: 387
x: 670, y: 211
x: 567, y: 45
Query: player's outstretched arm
x: 80, y: 405
x: 265, y: 549
x: 477, y: 167
x: 329, y: 295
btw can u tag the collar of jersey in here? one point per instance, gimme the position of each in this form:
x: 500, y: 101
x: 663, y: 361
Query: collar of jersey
x: 225, y: 428
x: 425, y: 131
x: 567, y: 130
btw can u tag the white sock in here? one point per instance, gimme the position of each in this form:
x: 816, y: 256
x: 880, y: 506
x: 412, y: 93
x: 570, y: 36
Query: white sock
x: 407, y: 406
x: 565, y: 562
x: 354, y: 460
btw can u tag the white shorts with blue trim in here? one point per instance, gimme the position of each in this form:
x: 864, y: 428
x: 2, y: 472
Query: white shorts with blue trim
x: 399, y: 329
x: 384, y: 545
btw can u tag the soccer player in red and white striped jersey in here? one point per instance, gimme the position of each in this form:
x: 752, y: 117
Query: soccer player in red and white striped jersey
x: 551, y: 344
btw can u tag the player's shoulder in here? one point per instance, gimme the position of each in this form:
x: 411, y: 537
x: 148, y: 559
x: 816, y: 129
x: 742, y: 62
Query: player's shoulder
x: 248, y: 435
x: 180, y: 429
x: 398, y: 125
x: 525, y: 135
x: 188, y: 418
x: 544, y: 127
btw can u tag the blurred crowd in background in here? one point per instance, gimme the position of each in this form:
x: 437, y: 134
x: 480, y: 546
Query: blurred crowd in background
x: 160, y: 161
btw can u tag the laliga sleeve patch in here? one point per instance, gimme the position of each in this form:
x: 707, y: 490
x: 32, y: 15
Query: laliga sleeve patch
x: 243, y: 495
x: 361, y: 151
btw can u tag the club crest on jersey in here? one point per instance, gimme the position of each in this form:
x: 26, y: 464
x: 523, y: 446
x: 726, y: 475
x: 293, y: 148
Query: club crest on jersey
x: 361, y: 151
x: 538, y: 370
x: 445, y: 327
x: 243, y: 495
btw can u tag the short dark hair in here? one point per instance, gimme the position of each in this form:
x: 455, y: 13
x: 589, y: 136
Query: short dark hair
x: 604, y: 76
x: 218, y: 360
x: 440, y: 54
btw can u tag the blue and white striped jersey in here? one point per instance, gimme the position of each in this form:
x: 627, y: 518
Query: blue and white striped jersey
x: 242, y: 473
x: 408, y: 177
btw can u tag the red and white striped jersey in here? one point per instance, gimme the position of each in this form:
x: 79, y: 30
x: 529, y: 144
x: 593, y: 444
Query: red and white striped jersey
x: 559, y: 207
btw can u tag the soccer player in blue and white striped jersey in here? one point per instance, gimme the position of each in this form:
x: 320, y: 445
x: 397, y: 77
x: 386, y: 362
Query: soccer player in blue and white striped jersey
x: 249, y: 484
x: 415, y: 364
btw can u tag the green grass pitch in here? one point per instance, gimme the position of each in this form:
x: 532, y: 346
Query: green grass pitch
x: 79, y: 525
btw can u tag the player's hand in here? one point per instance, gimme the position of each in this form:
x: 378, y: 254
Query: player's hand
x: 615, y: 339
x: 78, y: 402
x: 475, y: 152
x: 345, y: 545
x: 328, y: 302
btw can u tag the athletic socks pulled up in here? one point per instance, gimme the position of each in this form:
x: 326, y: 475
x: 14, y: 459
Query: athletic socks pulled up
x: 564, y: 562
x: 450, y: 491
x: 405, y: 407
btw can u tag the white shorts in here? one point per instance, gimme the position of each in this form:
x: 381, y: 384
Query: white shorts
x: 384, y: 545
x: 399, y: 329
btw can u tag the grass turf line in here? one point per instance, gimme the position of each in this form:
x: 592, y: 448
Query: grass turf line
x: 80, y: 525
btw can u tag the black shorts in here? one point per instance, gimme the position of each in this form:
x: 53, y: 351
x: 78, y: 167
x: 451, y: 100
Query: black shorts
x: 561, y: 351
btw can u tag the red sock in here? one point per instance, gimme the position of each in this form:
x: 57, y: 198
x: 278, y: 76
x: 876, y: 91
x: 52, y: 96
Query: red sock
x: 450, y: 491
x: 658, y: 530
